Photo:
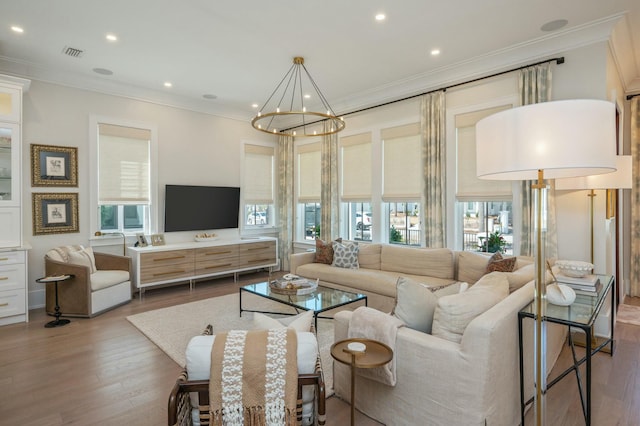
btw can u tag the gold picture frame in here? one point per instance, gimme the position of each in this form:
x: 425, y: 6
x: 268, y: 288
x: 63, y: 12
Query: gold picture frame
x: 55, y: 213
x: 157, y: 239
x: 54, y: 165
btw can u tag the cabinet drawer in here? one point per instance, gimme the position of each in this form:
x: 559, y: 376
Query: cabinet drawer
x: 12, y: 277
x: 259, y: 247
x: 170, y: 257
x: 213, y: 266
x: 206, y: 254
x: 11, y: 257
x: 12, y: 302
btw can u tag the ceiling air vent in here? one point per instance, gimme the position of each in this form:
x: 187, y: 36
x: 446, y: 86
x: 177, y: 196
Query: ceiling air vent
x: 73, y: 52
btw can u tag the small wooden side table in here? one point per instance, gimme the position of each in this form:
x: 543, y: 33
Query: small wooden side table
x: 375, y: 355
x: 57, y: 322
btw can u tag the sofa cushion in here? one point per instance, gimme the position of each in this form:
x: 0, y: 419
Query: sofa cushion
x: 364, y: 280
x: 497, y: 263
x: 83, y: 257
x: 416, y: 302
x: 345, y: 255
x: 103, y: 279
x: 472, y: 266
x: 417, y: 261
x: 324, y: 251
x: 369, y: 255
x: 300, y: 322
x: 454, y: 312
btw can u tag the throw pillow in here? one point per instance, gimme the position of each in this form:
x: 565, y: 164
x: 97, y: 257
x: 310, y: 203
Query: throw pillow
x: 497, y: 263
x: 416, y: 302
x: 300, y: 322
x: 83, y: 257
x: 324, y: 251
x: 454, y: 312
x: 345, y: 255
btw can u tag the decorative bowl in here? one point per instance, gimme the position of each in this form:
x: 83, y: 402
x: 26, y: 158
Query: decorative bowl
x: 574, y: 268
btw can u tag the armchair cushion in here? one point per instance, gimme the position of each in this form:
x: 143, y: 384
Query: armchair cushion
x: 104, y: 279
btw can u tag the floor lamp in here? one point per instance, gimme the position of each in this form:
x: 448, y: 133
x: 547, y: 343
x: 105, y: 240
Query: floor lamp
x: 548, y: 140
x: 620, y: 179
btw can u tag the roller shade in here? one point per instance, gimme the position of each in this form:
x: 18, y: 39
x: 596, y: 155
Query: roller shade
x: 468, y: 186
x: 309, y: 173
x: 356, y: 168
x: 258, y: 174
x: 124, y: 155
x: 402, y: 163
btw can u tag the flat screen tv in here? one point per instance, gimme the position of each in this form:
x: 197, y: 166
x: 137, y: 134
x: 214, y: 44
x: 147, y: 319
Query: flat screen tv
x: 200, y: 208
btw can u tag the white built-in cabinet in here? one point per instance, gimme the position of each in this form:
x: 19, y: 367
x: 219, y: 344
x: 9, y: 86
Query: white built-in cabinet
x: 13, y: 256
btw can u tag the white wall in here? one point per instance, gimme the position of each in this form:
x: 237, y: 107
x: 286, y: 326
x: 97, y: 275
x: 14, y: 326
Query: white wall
x: 193, y: 148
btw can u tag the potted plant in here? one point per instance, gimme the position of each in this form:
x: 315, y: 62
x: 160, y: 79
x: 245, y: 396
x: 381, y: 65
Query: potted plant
x: 494, y: 243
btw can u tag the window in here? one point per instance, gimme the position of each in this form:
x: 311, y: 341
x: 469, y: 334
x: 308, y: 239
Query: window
x: 124, y: 155
x: 484, y: 207
x: 258, y: 172
x: 404, y: 223
x: 308, y: 183
x: 356, y: 185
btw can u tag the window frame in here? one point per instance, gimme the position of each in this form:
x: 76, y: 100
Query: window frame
x: 153, y: 208
x: 271, y: 208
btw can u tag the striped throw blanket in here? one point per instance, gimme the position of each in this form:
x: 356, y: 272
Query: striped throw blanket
x: 254, y: 377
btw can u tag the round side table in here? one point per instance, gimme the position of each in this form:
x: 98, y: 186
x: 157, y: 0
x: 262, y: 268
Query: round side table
x: 375, y: 354
x: 60, y: 278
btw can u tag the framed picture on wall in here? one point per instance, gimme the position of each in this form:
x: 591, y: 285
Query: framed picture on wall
x: 55, y: 213
x: 54, y: 165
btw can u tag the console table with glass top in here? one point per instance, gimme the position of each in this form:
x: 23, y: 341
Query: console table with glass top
x: 323, y: 299
x: 582, y: 314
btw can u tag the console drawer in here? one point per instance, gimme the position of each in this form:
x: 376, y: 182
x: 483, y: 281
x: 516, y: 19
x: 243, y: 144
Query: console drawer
x: 12, y: 277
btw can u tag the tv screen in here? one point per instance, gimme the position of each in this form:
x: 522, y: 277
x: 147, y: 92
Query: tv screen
x: 200, y: 208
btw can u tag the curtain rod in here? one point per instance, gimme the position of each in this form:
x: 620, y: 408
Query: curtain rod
x: 558, y: 61
x: 629, y: 97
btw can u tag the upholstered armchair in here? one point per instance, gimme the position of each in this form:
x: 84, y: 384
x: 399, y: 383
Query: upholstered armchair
x: 100, y: 282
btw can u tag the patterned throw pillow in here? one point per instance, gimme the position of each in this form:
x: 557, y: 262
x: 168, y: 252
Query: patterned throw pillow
x: 497, y: 263
x: 324, y: 251
x: 345, y: 255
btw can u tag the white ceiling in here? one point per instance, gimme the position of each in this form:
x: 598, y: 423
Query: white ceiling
x: 239, y: 50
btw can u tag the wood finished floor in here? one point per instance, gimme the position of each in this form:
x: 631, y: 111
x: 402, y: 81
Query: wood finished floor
x: 103, y: 371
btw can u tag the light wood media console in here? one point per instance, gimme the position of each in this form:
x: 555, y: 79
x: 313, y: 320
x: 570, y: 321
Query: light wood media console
x: 187, y: 262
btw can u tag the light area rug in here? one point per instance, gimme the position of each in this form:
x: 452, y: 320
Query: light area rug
x: 171, y: 328
x: 628, y: 314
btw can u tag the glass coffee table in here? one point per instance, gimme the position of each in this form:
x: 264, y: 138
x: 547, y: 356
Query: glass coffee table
x: 321, y: 300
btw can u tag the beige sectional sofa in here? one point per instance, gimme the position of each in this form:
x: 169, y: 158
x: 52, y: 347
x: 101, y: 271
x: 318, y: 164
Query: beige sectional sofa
x: 439, y: 381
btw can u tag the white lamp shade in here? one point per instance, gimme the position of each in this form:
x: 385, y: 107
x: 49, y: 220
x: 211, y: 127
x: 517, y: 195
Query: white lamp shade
x: 620, y: 179
x: 562, y: 138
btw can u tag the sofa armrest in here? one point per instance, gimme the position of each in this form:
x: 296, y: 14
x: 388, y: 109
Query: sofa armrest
x: 299, y: 259
x: 106, y: 261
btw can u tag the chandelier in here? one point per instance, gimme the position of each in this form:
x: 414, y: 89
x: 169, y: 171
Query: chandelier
x: 285, y: 113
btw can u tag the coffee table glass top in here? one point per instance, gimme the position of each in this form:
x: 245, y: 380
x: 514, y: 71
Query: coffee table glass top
x: 583, y: 310
x: 322, y: 299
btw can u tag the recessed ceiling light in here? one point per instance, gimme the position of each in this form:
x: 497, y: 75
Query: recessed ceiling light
x: 435, y: 52
x: 103, y: 71
x: 381, y: 17
x: 17, y: 29
x: 167, y: 84
x: 554, y: 25
x: 209, y: 96
x: 111, y: 37
x: 307, y: 96
x: 254, y: 105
